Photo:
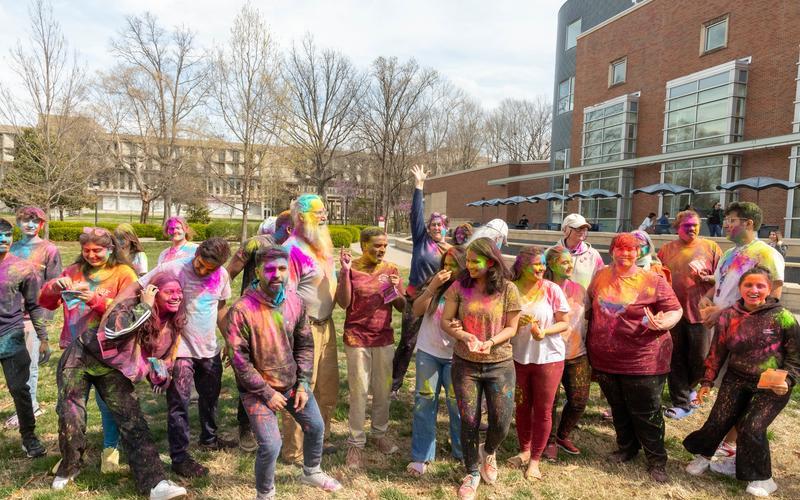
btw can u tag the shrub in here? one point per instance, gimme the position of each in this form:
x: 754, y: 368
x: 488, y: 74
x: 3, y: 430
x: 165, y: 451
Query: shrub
x: 200, y: 230
x: 198, y: 213
x: 65, y: 233
x: 224, y: 229
x: 341, y: 237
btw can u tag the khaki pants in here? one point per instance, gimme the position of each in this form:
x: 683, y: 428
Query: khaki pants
x: 369, y: 369
x: 324, y: 384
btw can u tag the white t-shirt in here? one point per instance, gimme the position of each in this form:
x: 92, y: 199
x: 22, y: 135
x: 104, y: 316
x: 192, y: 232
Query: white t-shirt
x: 647, y: 222
x: 543, y: 308
x: 201, y: 296
x: 739, y: 259
x: 431, y: 339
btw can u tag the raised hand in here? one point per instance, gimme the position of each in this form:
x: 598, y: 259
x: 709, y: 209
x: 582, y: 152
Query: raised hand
x: 419, y: 175
x: 148, y: 295
x: 439, y: 279
x: 345, y: 260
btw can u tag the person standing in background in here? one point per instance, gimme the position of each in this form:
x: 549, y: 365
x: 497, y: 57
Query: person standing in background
x: 178, y: 232
x: 129, y: 242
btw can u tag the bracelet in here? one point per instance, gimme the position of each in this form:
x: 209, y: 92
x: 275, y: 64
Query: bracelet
x: 492, y: 341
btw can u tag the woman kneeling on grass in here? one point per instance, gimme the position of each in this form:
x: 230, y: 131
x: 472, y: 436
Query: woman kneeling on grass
x: 539, y: 351
x: 481, y: 312
x: 756, y: 336
x: 433, y: 366
x: 138, y: 339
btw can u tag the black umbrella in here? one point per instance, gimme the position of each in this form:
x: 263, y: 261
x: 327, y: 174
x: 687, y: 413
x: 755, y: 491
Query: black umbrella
x: 515, y: 200
x: 548, y: 196
x: 479, y: 203
x: 758, y: 183
x: 663, y: 188
x: 595, y: 194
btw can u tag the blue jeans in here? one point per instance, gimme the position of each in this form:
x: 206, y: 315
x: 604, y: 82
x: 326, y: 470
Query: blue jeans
x: 32, y: 345
x: 110, y: 429
x: 433, y: 374
x: 264, y: 423
x: 715, y: 229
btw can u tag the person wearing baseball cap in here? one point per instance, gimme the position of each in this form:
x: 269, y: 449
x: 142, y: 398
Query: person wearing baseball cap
x: 587, y: 259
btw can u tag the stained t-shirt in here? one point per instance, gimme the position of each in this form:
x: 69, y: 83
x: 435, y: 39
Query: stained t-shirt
x: 483, y: 316
x: 201, y: 296
x: 139, y: 262
x: 542, y: 305
x: 368, y: 321
x: 19, y: 291
x: 314, y: 276
x: 575, y: 335
x: 188, y: 249
x: 681, y: 258
x: 736, y: 261
x: 45, y: 257
x: 619, y: 340
x: 586, y: 261
x: 431, y: 338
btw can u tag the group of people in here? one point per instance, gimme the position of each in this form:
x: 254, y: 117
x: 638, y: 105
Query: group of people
x: 497, y: 341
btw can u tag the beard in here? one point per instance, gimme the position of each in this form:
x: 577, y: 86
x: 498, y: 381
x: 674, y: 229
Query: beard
x: 318, y: 236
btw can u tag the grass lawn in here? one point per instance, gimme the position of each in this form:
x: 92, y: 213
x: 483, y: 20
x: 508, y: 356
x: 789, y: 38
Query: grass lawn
x: 586, y: 476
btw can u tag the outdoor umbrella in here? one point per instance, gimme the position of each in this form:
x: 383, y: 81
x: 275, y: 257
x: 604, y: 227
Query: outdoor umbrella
x: 548, y: 196
x: 514, y: 200
x: 595, y: 194
x: 479, y: 203
x: 663, y: 188
x: 759, y: 183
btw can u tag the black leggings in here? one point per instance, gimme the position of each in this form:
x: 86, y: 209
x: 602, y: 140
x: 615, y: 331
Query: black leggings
x: 751, y: 410
x: 576, y: 380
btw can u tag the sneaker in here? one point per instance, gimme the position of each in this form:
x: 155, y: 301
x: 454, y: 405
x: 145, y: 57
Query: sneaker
x: 725, y: 450
x: 33, y: 448
x: 59, y: 483
x: 270, y: 495
x: 550, y: 452
x: 469, y: 487
x: 621, y: 456
x: 110, y: 461
x: 725, y: 466
x: 166, y: 490
x: 12, y: 422
x: 698, y: 466
x: 567, y: 445
x: 488, y: 465
x: 354, y: 457
x: 658, y: 473
x: 247, y: 442
x: 218, y: 444
x: 189, y: 468
x: 762, y: 488
x: 385, y: 446
x: 321, y: 480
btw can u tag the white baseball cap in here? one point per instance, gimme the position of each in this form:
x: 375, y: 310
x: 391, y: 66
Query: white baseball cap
x: 574, y: 221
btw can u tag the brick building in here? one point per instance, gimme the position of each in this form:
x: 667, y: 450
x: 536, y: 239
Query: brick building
x: 692, y: 93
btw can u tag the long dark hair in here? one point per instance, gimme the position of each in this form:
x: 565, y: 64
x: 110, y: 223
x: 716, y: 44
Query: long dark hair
x: 127, y: 239
x: 460, y: 255
x: 497, y: 275
x: 150, y: 331
x: 104, y: 238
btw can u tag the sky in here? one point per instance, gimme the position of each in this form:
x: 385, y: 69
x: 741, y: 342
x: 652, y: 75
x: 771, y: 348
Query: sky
x: 492, y: 49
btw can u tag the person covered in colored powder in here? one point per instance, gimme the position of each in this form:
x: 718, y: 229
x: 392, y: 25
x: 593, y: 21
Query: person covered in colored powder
x: 577, y: 372
x: 539, y: 352
x: 434, y: 361
x: 86, y: 289
x: 691, y: 260
x: 206, y: 288
x: 587, y: 260
x: 44, y: 255
x: 312, y: 271
x: 760, y: 340
x: 129, y: 242
x: 271, y: 349
x: 632, y: 311
x: 18, y: 295
x: 138, y: 340
x: 462, y: 233
x: 741, y: 224
x: 178, y: 232
x: 368, y: 289
x: 647, y: 258
x: 428, y: 246
x: 481, y: 313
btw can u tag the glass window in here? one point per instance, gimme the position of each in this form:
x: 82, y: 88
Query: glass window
x: 573, y: 30
x: 565, y: 95
x: 618, y: 71
x: 603, y: 211
x: 716, y: 35
x: 704, y: 175
x: 611, y: 135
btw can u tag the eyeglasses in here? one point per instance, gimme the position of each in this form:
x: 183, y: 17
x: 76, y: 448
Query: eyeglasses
x: 729, y: 220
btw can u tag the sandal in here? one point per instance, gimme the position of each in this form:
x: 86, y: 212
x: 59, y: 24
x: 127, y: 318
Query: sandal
x: 677, y: 413
x: 417, y: 469
x: 518, y: 462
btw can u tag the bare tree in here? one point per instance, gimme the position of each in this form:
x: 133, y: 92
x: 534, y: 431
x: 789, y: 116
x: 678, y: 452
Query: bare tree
x: 148, y: 102
x: 246, y: 98
x: 392, y: 112
x: 57, y: 147
x: 519, y: 130
x: 320, y: 116
x: 466, y: 138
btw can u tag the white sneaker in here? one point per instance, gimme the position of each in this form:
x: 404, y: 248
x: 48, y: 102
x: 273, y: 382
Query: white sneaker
x: 270, y: 495
x: 726, y: 467
x: 166, y: 490
x: 698, y: 466
x: 320, y: 480
x: 59, y: 483
x: 762, y: 488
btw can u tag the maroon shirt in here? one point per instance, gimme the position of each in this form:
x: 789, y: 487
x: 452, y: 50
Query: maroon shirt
x: 368, y: 321
x: 619, y: 340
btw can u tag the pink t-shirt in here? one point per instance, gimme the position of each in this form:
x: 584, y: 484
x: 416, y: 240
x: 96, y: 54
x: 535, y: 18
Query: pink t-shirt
x: 680, y: 258
x: 575, y: 335
x: 368, y: 321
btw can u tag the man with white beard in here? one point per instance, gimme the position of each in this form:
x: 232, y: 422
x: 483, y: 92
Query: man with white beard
x: 310, y: 246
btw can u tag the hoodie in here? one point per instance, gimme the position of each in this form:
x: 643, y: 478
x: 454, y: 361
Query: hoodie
x: 752, y: 341
x: 587, y: 262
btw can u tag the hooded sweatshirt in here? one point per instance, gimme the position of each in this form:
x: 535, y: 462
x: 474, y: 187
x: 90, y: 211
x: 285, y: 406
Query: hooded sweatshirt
x: 752, y: 341
x: 586, y: 262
